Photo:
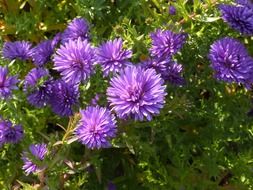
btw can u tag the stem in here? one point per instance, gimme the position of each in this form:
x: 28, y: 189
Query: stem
x: 42, y: 178
x: 57, y: 156
x: 71, y: 126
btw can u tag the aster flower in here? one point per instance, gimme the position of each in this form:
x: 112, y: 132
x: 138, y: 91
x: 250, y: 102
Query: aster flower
x: 33, y: 77
x: 13, y: 134
x: 94, y: 101
x: 239, y: 18
x: 112, y: 56
x: 166, y: 43
x: 10, y: 133
x: 172, y: 10
x: 137, y: 93
x: 41, y: 53
x: 7, y: 83
x: 37, y: 89
x: 170, y: 71
x: 247, y: 3
x: 230, y: 61
x: 56, y: 40
x: 64, y: 96
x: 159, y: 64
x: 173, y: 74
x: 77, y: 28
x: 74, y: 60
x: 111, y: 186
x: 40, y: 97
x: 3, y: 125
x: 38, y: 152
x: 96, y: 127
x: 17, y: 50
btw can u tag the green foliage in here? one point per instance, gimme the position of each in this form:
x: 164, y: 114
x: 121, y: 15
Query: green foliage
x: 202, y: 138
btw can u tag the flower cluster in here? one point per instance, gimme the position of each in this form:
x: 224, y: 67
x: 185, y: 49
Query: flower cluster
x: 61, y: 66
x: 135, y: 91
x: 229, y: 58
x: 165, y: 44
x: 239, y: 16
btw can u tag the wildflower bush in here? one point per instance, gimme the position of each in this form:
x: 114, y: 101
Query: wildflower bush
x: 106, y: 94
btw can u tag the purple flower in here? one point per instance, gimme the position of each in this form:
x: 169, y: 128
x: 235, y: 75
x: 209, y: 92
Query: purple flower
x: 18, y: 49
x: 159, y: 64
x: 170, y: 71
x: 94, y: 101
x: 172, y: 10
x: 63, y: 97
x: 3, y: 126
x: 137, y: 93
x: 77, y: 28
x: 33, y: 77
x: 96, y: 127
x: 74, y: 60
x: 173, y: 74
x: 111, y: 186
x: 10, y: 133
x: 38, y: 90
x: 41, y: 53
x: 230, y: 61
x: 112, y: 56
x: 13, y: 134
x: 56, y: 40
x: 166, y: 43
x: 37, y: 152
x: 7, y: 83
x: 40, y: 97
x: 239, y: 17
x: 247, y: 3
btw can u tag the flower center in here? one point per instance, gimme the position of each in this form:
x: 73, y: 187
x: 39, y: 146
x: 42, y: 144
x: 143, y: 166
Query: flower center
x: 93, y: 129
x: 10, y: 135
x: 134, y: 93
x: 230, y: 61
x: 78, y: 64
